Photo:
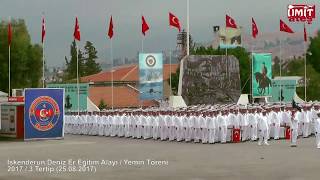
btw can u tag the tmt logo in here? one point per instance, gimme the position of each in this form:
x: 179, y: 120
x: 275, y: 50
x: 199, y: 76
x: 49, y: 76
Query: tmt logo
x: 301, y: 13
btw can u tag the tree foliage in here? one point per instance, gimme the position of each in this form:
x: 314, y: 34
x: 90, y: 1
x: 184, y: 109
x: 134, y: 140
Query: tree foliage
x: 87, y: 62
x: 296, y: 68
x: 26, y: 58
x: 91, y: 66
x: 313, y: 52
x: 102, y: 105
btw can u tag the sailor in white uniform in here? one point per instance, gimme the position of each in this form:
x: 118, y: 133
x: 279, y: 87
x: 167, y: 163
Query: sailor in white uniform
x: 263, y: 128
x: 317, y: 130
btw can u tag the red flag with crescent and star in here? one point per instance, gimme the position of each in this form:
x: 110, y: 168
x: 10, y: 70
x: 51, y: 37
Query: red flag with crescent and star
x: 174, y: 21
x: 255, y: 30
x: 76, y: 33
x: 9, y: 33
x: 43, y: 30
x: 230, y: 22
x: 145, y: 26
x: 285, y: 28
x: 110, y: 30
x: 305, y: 33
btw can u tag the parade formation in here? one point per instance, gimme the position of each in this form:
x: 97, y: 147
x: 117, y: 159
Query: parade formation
x: 203, y: 124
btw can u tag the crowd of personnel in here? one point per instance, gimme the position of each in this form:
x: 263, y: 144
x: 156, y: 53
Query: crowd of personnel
x: 202, y: 124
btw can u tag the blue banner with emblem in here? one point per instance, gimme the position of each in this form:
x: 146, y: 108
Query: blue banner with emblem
x: 151, y: 76
x: 44, y: 114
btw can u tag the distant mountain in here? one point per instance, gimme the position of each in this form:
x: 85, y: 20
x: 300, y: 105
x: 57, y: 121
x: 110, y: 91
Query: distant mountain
x: 292, y: 45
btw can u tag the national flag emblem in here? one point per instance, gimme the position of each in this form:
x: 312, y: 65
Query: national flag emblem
x: 174, y: 21
x: 230, y: 22
x: 285, y: 28
x: 76, y: 33
x: 145, y: 26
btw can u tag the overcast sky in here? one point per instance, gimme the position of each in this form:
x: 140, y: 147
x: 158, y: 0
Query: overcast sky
x: 94, y: 16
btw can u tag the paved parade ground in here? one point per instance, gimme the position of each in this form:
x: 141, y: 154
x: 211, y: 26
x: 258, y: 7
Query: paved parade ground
x: 88, y: 157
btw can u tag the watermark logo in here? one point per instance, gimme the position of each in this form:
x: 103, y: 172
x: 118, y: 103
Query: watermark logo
x: 301, y: 13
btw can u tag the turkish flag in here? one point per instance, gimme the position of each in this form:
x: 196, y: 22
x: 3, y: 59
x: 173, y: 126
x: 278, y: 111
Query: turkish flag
x: 43, y: 30
x: 288, y: 133
x: 236, y: 135
x: 305, y: 33
x: 76, y: 33
x: 255, y: 30
x: 44, y: 113
x: 145, y: 26
x: 9, y: 33
x: 110, y: 31
x: 284, y: 27
x: 230, y: 22
x: 174, y: 21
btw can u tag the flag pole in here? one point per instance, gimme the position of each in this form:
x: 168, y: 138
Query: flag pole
x: 142, y: 39
x: 170, y: 72
x: 111, y: 57
x: 43, y: 60
x: 9, y: 59
x: 43, y: 64
x: 78, y: 89
x: 280, y: 73
x: 188, y: 30
x: 305, y: 69
x: 9, y: 70
x: 251, y: 85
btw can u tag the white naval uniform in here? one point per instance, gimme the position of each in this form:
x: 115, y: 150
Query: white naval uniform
x: 223, y: 128
x: 107, y: 128
x: 185, y: 126
x: 204, y: 129
x: 306, y: 124
x: 253, y: 121
x: 171, y: 127
x: 83, y: 125
x: 263, y: 128
x: 138, y: 127
x: 294, y: 125
x: 244, y: 124
x: 190, y: 128
x: 179, y: 128
x: 317, y: 131
x: 144, y: 129
x: 163, y: 127
x: 155, y: 127
x: 211, y: 124
x: 276, y: 124
x: 196, y: 129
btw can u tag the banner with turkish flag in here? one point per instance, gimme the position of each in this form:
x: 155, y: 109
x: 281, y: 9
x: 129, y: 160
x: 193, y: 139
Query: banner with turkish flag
x: 145, y: 26
x: 76, y: 33
x: 174, y: 21
x: 255, y: 30
x: 110, y: 30
x: 288, y: 133
x: 44, y: 113
x: 230, y: 22
x: 285, y: 28
x: 236, y: 135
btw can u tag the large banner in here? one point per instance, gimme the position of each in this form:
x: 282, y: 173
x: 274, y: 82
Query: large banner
x: 229, y: 38
x: 43, y: 114
x: 261, y: 74
x: 209, y: 79
x: 151, y: 76
x: 71, y: 95
x: 285, y: 93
